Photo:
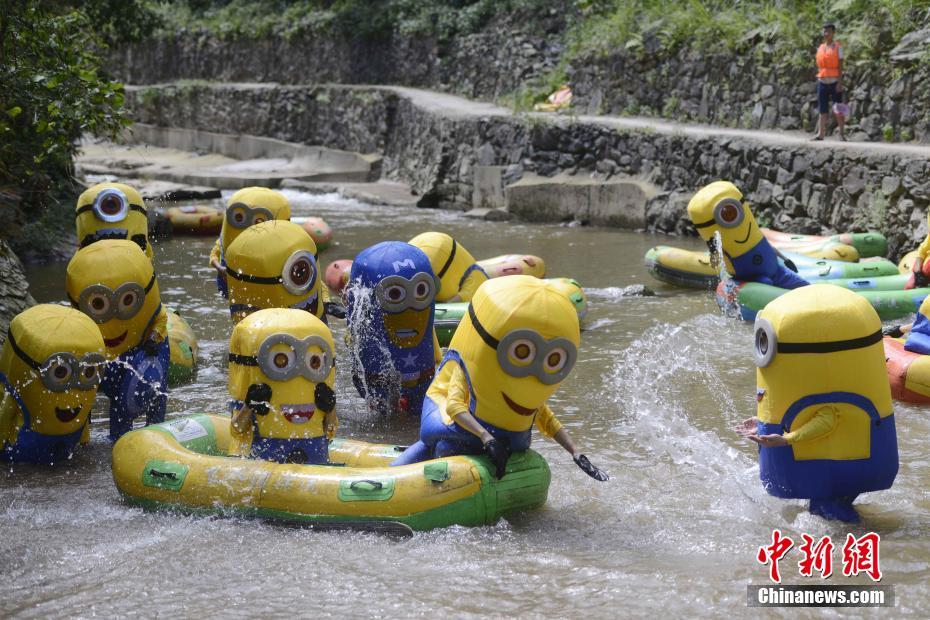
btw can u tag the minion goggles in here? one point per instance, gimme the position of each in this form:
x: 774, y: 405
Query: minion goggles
x: 101, y: 303
x: 110, y: 205
x: 766, y: 344
x: 397, y: 293
x: 298, y: 360
x: 550, y: 361
x: 61, y: 372
x: 240, y: 215
x: 728, y: 213
x: 298, y: 275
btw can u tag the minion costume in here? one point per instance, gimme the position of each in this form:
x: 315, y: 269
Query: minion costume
x: 508, y: 356
x: 391, y: 307
x: 112, y: 211
x: 920, y: 268
x: 248, y: 206
x: 50, y: 367
x: 282, y: 368
x: 822, y: 386
x: 918, y: 338
x: 747, y: 254
x: 458, y: 272
x: 113, y: 283
x: 273, y: 265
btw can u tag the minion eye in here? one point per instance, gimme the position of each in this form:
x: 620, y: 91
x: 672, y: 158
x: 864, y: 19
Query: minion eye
x: 127, y: 300
x: 765, y: 344
x: 281, y: 360
x: 422, y: 291
x: 395, y: 293
x: 522, y: 351
x: 59, y: 371
x: 556, y: 359
x: 238, y: 215
x: 111, y: 205
x: 98, y: 304
x: 299, y: 273
x: 729, y: 213
x: 315, y: 361
x: 89, y: 373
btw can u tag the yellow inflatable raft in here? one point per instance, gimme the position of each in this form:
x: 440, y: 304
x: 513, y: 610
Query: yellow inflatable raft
x: 195, y: 219
x: 182, y: 465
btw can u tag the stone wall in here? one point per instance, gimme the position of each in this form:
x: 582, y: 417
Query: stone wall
x: 14, y: 290
x: 793, y: 186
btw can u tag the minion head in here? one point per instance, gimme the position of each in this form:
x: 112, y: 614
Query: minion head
x: 292, y: 352
x: 818, y: 339
x: 113, y: 283
x: 273, y: 265
x: 573, y: 291
x: 112, y: 211
x: 53, y: 357
x: 718, y: 207
x: 519, y: 341
x: 252, y: 205
x: 402, y: 288
x: 448, y: 259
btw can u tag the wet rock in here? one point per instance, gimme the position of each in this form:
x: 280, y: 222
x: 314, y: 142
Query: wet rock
x: 14, y: 289
x: 637, y: 290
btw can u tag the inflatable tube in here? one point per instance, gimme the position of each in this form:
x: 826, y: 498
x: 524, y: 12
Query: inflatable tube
x: 692, y: 269
x: 906, y: 265
x: 514, y: 265
x: 337, y: 275
x: 195, y: 220
x: 447, y: 320
x: 745, y: 299
x: 867, y: 244
x: 571, y: 289
x: 180, y: 465
x: 182, y: 344
x: 820, y: 247
x: 908, y: 372
x: 318, y: 229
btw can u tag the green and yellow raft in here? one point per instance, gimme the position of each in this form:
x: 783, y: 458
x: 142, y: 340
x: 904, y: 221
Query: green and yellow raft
x: 182, y: 465
x: 182, y: 344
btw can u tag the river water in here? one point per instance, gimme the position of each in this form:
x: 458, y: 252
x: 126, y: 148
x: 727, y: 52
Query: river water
x: 659, y: 384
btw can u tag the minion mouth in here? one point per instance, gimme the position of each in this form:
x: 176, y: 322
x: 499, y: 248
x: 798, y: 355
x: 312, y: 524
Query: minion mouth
x: 308, y: 304
x: 746, y: 238
x: 66, y: 415
x: 407, y: 333
x: 298, y: 414
x: 521, y: 410
x: 115, y: 342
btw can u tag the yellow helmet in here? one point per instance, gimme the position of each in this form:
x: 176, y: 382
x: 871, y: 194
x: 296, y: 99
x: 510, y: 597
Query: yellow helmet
x: 718, y: 207
x: 448, y: 259
x: 53, y: 357
x: 112, y: 211
x: 519, y: 341
x: 273, y: 265
x: 252, y: 205
x: 113, y: 283
x: 292, y: 352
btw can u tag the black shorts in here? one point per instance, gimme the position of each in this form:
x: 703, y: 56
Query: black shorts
x: 827, y: 94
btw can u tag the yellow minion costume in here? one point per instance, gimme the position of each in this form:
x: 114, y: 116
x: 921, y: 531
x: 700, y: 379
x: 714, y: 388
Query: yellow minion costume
x: 458, y: 272
x: 747, y: 254
x: 50, y: 367
x: 113, y: 283
x: 282, y: 370
x: 273, y: 265
x: 112, y: 211
x: 248, y: 206
x: 823, y: 389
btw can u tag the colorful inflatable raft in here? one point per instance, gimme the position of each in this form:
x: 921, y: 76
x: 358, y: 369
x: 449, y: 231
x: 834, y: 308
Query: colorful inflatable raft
x: 182, y: 345
x: 866, y: 244
x: 318, y: 229
x: 181, y: 465
x: 195, y: 220
x: 693, y: 269
x: 745, y: 299
x: 514, y: 265
x: 908, y: 372
x: 906, y: 264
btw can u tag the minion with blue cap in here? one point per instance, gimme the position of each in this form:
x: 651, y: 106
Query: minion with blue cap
x: 113, y: 283
x: 246, y: 207
x: 459, y: 273
x: 112, y: 211
x: 511, y: 352
x: 747, y: 254
x: 390, y: 311
x: 825, y: 424
x: 50, y: 368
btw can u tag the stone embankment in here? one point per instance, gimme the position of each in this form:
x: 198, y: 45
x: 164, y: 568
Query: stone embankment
x: 449, y: 149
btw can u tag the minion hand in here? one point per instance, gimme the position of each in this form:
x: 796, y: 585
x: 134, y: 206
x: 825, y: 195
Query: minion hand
x: 894, y: 331
x: 498, y: 455
x: 335, y: 309
x: 769, y: 441
x: 257, y: 397
x: 582, y: 461
x: 150, y: 347
x: 790, y: 265
x: 324, y: 397
x: 747, y: 427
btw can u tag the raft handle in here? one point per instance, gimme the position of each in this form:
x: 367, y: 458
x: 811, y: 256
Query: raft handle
x: 163, y: 474
x: 168, y: 475
x: 375, y: 485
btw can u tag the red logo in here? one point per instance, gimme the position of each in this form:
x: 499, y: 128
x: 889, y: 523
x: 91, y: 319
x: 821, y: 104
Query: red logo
x: 860, y: 555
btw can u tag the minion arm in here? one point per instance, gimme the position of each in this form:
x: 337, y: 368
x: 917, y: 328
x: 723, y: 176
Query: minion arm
x: 437, y: 350
x: 821, y: 424
x: 215, y: 256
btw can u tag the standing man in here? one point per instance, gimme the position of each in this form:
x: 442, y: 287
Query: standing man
x: 829, y: 81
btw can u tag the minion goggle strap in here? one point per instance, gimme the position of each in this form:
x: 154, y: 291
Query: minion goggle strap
x: 101, y: 303
x: 766, y: 344
x: 282, y: 357
x: 241, y: 215
x: 728, y: 213
x: 298, y: 275
x: 449, y: 260
x: 397, y: 293
x: 524, y: 352
x: 111, y: 205
x: 61, y: 372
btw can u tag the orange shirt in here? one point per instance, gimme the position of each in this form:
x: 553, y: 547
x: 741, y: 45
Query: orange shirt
x: 828, y: 60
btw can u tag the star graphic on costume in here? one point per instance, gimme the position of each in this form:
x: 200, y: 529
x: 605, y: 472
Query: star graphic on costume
x: 410, y: 360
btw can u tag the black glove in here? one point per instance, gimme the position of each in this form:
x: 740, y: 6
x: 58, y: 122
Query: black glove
x: 150, y: 347
x: 920, y: 280
x: 892, y: 330
x: 324, y: 397
x: 582, y: 461
x: 498, y: 455
x: 257, y: 397
x: 790, y: 265
x: 334, y: 308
